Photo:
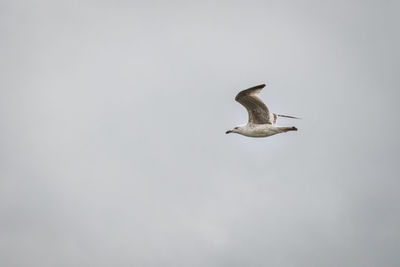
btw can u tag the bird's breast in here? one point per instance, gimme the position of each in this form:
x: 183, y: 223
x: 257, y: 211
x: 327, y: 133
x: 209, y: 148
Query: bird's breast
x: 260, y: 130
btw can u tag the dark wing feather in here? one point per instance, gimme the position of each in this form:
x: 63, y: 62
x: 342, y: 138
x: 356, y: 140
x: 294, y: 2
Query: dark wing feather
x: 258, y: 111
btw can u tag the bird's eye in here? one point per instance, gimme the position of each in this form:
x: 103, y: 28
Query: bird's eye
x: 236, y: 128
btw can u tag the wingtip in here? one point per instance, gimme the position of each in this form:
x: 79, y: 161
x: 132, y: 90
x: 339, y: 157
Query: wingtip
x: 261, y: 85
x: 249, y: 91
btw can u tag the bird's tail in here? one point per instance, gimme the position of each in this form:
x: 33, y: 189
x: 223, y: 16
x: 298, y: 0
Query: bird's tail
x: 287, y: 129
x: 286, y: 116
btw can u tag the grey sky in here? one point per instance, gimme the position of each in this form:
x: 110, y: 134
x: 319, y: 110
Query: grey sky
x: 112, y: 122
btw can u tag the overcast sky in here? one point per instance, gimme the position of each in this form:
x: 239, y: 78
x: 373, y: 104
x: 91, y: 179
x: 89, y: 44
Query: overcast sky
x: 112, y: 132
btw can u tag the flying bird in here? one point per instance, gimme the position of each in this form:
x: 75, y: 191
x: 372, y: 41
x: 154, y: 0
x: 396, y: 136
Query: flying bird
x: 262, y: 122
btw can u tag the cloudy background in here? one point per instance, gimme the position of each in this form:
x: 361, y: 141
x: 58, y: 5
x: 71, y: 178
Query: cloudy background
x: 112, y: 131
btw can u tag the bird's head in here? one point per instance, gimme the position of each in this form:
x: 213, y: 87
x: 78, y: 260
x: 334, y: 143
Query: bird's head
x: 234, y: 130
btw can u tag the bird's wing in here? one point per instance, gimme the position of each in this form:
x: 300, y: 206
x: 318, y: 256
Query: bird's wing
x: 258, y: 111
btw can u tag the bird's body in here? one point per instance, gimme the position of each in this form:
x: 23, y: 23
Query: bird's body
x: 261, y: 130
x: 262, y: 122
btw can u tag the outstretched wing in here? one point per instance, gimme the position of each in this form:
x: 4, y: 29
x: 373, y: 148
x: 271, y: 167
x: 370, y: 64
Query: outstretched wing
x: 258, y: 111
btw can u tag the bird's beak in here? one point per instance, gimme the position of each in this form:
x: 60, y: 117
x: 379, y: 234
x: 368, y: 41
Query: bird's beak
x: 228, y: 131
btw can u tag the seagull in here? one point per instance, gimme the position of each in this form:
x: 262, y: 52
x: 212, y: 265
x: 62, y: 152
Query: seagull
x: 262, y: 122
